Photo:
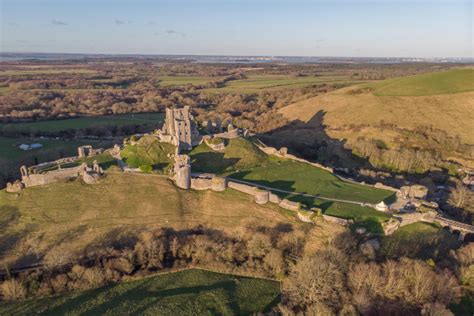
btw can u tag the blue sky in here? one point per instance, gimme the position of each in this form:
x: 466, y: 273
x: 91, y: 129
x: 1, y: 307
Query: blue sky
x: 396, y: 28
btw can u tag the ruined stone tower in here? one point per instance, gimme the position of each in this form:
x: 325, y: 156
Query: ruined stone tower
x: 182, y: 171
x: 179, y: 123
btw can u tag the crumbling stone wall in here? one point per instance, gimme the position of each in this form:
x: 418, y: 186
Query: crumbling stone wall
x: 283, y: 153
x: 337, y: 220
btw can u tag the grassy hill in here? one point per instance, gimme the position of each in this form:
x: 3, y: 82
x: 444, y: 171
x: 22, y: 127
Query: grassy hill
x: 41, y: 218
x: 245, y: 161
x: 443, y: 101
x: 190, y: 292
x: 446, y: 82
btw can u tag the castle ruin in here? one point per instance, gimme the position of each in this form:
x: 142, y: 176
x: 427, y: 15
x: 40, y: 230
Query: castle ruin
x: 180, y: 129
x: 182, y: 171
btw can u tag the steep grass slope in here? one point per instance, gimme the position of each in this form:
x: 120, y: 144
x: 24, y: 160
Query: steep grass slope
x: 392, y: 111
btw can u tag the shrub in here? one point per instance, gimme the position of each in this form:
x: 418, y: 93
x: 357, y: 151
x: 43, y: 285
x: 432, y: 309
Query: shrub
x: 146, y: 168
x: 93, y: 277
x: 13, y: 290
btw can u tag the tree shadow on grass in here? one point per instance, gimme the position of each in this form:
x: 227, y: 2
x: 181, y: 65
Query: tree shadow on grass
x: 134, y: 294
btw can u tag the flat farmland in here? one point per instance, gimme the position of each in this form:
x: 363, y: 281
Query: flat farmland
x: 54, y: 126
x: 256, y: 83
x: 184, y: 80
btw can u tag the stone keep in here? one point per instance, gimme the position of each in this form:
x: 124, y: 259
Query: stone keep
x: 182, y: 171
x: 179, y: 123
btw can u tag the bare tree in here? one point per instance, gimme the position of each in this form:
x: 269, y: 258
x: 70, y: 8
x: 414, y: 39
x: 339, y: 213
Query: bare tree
x: 459, y: 195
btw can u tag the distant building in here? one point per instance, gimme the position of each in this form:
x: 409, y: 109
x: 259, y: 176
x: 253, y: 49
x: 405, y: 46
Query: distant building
x: 30, y: 146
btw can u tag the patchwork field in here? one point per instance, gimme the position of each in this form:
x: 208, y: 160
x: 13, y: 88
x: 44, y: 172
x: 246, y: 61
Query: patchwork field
x: 45, y: 71
x: 190, y: 292
x: 54, y: 126
x: 167, y: 81
x: 41, y: 218
x: 258, y: 83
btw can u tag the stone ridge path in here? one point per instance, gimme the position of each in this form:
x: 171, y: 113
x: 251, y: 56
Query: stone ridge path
x: 301, y: 194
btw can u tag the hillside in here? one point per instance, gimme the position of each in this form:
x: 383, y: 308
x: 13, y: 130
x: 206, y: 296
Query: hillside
x: 190, y: 292
x: 445, y: 82
x: 41, y: 218
x: 393, y: 111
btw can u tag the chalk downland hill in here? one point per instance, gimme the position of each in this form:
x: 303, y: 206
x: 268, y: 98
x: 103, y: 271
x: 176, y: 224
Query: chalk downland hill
x: 430, y: 103
x: 443, y: 100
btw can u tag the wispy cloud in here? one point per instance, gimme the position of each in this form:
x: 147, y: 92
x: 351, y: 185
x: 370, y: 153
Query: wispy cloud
x: 59, y: 22
x: 174, y: 32
x: 122, y: 22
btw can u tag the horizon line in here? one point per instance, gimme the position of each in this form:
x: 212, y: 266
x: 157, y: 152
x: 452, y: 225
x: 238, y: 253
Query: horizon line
x: 226, y: 55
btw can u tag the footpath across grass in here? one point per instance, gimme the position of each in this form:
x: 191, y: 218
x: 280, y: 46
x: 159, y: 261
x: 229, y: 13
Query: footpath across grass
x: 189, y: 292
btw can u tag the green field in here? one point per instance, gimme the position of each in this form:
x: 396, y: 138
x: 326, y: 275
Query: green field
x: 190, y: 292
x: 419, y: 240
x: 244, y: 161
x: 256, y: 83
x: 54, y: 126
x: 167, y: 81
x: 148, y: 151
x: 46, y: 71
x: 446, y: 82
x: 52, y: 149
